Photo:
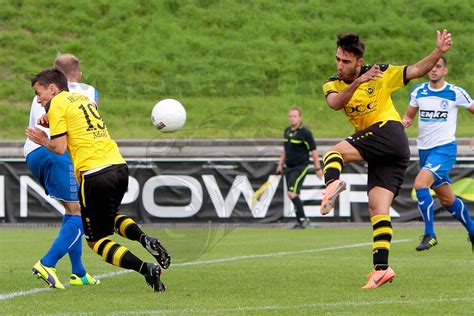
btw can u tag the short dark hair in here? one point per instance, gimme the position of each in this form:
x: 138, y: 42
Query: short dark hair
x: 49, y: 76
x: 444, y: 61
x: 350, y: 42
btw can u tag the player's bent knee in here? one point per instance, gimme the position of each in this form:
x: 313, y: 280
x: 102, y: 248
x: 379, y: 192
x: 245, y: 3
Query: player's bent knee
x: 420, y: 184
x: 424, y: 179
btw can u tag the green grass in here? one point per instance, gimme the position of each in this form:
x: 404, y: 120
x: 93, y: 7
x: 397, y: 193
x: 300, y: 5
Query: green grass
x: 324, y: 281
x: 243, y: 62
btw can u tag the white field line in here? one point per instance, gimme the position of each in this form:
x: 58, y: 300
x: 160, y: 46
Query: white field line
x: 314, y: 307
x: 204, y: 262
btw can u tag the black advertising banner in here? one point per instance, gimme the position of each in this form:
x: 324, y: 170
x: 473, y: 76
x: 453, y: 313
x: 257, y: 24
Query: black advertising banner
x: 221, y: 190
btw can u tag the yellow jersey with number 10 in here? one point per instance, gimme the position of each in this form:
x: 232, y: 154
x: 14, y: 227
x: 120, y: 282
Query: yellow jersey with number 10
x: 372, y: 101
x: 88, y: 140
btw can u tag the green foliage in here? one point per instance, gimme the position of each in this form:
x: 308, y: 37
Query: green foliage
x: 216, y: 55
x: 322, y: 273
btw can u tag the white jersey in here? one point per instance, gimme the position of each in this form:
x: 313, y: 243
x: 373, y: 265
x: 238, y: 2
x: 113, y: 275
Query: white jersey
x: 438, y: 112
x: 37, y: 111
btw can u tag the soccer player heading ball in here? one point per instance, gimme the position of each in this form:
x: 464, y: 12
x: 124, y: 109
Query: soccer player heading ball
x: 76, y: 125
x: 364, y: 93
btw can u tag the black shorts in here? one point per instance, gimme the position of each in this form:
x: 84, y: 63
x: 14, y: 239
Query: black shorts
x: 384, y: 146
x: 100, y: 196
x: 295, y: 177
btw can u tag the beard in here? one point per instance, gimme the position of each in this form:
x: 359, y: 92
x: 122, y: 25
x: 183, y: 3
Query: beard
x: 350, y: 75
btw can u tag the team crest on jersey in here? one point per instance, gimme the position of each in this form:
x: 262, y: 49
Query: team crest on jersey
x: 370, y: 90
x: 444, y: 105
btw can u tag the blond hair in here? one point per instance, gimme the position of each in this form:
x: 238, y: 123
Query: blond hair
x: 295, y: 108
x: 70, y: 65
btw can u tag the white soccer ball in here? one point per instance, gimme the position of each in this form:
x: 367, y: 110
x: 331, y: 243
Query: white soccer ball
x: 168, y: 115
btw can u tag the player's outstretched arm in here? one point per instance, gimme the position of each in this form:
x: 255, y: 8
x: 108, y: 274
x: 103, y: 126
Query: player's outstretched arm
x: 421, y: 68
x: 471, y: 108
x: 409, y: 116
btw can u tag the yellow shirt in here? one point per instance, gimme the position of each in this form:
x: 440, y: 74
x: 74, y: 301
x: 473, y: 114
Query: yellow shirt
x: 88, y: 140
x: 372, y: 101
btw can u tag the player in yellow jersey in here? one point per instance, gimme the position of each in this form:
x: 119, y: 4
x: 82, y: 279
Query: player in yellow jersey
x: 364, y: 94
x: 76, y: 125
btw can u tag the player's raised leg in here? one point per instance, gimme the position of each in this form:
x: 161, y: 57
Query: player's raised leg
x: 100, y: 196
x: 120, y: 256
x: 126, y: 227
x: 380, y: 200
x: 333, y: 164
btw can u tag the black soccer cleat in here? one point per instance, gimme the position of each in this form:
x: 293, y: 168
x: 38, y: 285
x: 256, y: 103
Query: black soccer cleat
x: 155, y: 248
x: 298, y: 225
x: 471, y: 239
x: 306, y: 222
x: 426, y: 243
x: 302, y: 224
x: 152, y: 277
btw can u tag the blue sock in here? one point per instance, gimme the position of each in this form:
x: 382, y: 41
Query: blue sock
x: 426, y: 207
x: 60, y: 246
x: 460, y: 212
x: 75, y: 250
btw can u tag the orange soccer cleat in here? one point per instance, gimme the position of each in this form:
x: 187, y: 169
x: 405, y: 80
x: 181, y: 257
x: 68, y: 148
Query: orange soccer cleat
x: 330, y: 195
x: 379, y: 277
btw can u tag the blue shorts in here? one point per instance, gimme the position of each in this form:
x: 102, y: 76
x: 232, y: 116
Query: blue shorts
x: 55, y: 173
x: 439, y: 160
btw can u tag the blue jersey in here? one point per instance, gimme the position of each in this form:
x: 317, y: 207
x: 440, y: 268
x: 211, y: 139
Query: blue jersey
x: 438, y: 110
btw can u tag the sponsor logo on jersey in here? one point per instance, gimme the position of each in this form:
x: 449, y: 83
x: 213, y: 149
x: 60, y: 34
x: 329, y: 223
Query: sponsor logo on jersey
x: 433, y: 116
x: 361, y: 109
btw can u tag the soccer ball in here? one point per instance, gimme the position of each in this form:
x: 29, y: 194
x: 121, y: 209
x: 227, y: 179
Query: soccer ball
x: 168, y: 115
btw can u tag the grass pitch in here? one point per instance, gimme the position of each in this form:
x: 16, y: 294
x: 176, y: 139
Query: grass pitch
x: 252, y: 271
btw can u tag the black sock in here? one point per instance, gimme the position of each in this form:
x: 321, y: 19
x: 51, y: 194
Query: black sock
x: 299, y: 210
x: 117, y: 255
x: 382, y: 234
x: 333, y: 164
x: 126, y: 227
